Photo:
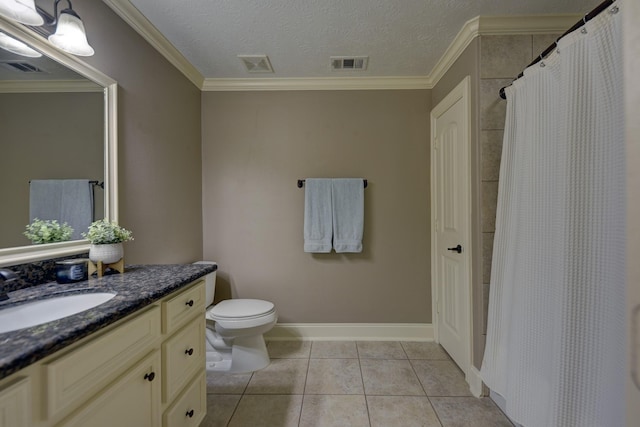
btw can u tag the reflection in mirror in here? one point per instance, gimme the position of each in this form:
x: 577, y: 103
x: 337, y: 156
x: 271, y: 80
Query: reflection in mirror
x: 57, y: 133
x: 52, y: 131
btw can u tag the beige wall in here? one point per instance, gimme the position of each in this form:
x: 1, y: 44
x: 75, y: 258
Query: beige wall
x: 257, y: 144
x: 159, y: 141
x: 46, y: 136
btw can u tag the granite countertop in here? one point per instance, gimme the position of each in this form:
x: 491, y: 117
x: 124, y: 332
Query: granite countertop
x: 139, y: 286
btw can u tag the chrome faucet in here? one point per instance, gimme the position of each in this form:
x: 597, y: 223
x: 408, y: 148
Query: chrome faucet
x: 6, y: 276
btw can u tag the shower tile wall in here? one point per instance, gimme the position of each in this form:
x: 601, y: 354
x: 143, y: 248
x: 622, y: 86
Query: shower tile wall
x: 501, y: 59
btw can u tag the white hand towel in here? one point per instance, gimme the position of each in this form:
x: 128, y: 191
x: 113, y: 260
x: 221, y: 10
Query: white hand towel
x: 318, y: 225
x: 347, y: 195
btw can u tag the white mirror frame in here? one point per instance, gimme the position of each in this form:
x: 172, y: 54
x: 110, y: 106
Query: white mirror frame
x: 26, y: 254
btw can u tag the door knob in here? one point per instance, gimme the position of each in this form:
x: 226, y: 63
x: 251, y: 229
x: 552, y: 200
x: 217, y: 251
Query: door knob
x: 456, y: 249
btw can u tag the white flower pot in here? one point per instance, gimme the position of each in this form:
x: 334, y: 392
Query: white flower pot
x: 108, y: 253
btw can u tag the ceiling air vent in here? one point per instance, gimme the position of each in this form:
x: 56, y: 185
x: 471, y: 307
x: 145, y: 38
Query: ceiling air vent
x: 349, y: 63
x: 256, y: 63
x: 23, y: 67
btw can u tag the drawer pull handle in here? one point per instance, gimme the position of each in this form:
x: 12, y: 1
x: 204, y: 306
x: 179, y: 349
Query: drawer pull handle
x: 189, y: 352
x: 150, y: 376
x: 189, y: 303
x: 190, y: 413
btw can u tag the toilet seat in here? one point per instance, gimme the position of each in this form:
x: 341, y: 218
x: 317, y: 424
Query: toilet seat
x: 241, y: 308
x: 242, y: 313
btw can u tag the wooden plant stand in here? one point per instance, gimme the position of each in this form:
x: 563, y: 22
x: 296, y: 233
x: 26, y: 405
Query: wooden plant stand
x: 100, y: 267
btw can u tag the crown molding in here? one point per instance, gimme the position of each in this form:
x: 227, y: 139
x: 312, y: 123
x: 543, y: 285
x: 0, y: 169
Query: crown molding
x: 526, y: 24
x: 480, y: 25
x: 499, y: 25
x: 136, y: 20
x: 320, y: 83
x: 39, y: 86
x: 467, y: 33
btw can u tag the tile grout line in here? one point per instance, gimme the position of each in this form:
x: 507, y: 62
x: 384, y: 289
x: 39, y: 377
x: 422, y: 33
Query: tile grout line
x: 304, y: 388
x: 423, y: 389
x: 235, y: 408
x: 364, y: 391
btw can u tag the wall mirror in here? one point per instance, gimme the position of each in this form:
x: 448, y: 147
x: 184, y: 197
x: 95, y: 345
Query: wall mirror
x: 57, y: 122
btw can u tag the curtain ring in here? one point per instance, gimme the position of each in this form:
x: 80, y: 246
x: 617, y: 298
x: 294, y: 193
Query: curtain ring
x: 584, y: 23
x: 542, y: 64
x: 614, y: 10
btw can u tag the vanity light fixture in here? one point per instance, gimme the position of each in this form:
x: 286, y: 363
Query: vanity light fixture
x: 16, y: 46
x: 23, y: 11
x: 70, y: 35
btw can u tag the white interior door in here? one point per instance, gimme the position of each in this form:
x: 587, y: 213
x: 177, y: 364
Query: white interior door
x: 451, y: 222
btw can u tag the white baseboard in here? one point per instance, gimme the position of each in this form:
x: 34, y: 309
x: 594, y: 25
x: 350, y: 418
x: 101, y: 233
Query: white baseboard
x: 476, y: 386
x: 351, y: 332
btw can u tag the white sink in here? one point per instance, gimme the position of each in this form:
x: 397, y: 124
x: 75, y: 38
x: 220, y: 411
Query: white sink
x: 43, y: 311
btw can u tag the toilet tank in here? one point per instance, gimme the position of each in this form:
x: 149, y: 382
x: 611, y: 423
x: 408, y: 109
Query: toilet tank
x: 210, y: 283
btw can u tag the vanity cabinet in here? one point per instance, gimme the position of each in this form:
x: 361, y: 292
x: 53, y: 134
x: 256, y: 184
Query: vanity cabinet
x: 132, y: 400
x: 15, y: 403
x: 147, y: 369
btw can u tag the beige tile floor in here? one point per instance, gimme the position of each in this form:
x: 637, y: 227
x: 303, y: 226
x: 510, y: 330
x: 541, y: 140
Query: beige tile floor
x: 349, y: 384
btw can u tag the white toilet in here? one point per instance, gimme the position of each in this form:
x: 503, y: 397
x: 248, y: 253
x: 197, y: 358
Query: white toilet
x: 234, y: 333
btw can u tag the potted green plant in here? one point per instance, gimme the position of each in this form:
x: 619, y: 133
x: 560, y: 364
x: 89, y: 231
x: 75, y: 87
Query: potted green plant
x: 47, y: 231
x: 106, y: 238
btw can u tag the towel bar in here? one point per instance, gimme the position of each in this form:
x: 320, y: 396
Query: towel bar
x: 301, y: 183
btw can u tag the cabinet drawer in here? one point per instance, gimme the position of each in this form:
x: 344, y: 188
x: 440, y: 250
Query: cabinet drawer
x: 189, y: 410
x: 132, y: 400
x: 77, y: 375
x: 182, y: 356
x: 180, y: 309
x: 15, y: 404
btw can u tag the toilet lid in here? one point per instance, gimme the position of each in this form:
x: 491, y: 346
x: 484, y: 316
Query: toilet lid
x: 235, y: 308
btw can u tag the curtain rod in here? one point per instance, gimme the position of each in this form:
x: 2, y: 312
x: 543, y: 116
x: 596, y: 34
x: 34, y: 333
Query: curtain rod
x: 301, y: 183
x: 588, y: 17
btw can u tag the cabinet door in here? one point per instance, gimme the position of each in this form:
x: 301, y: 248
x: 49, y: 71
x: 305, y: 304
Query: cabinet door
x: 131, y: 400
x: 15, y: 404
x: 182, y: 355
x: 182, y: 307
x: 75, y: 376
x: 191, y: 407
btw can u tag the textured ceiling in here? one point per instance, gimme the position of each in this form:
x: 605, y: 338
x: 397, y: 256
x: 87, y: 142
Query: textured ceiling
x: 401, y: 37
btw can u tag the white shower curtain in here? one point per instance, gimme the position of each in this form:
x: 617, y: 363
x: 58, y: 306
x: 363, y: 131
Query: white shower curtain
x: 556, y: 333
